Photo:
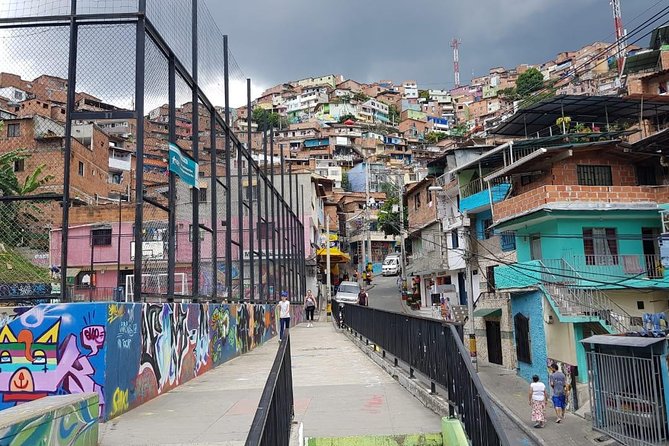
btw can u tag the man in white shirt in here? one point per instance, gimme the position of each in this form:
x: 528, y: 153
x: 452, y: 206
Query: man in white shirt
x: 284, y: 313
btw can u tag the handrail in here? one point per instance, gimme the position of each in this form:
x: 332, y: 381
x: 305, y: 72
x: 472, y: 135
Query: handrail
x: 272, y: 421
x: 435, y: 349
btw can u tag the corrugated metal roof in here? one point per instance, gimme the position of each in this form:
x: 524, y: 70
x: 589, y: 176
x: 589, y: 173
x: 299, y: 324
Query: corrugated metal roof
x: 623, y: 341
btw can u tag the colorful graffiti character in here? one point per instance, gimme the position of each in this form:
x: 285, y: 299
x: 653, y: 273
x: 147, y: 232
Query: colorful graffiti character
x: 32, y: 366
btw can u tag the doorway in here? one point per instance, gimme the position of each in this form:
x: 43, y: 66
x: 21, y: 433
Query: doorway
x: 462, y: 289
x: 494, y: 340
x: 651, y: 258
x: 535, y: 247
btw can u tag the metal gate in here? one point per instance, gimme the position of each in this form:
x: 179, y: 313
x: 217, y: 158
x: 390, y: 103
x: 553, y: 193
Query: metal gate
x: 627, y: 398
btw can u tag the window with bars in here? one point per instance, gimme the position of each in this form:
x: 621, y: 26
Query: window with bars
x: 265, y: 230
x: 600, y: 246
x: 522, y: 331
x: 101, y: 237
x: 594, y: 175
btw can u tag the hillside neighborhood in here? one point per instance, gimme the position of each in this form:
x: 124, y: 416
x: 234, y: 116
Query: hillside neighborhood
x: 530, y: 205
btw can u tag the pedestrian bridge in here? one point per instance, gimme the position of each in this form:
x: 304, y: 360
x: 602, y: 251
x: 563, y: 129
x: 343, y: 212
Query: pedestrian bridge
x: 337, y: 391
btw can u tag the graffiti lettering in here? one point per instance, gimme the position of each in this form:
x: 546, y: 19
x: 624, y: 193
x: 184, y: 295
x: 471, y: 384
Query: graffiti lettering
x: 93, y: 337
x: 120, y: 402
x: 114, y: 312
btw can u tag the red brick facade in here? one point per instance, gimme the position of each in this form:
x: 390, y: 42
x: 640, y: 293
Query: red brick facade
x: 422, y: 205
x: 537, y: 197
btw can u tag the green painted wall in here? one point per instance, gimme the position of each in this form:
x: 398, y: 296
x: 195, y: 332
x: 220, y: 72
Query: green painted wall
x: 391, y: 440
x: 569, y: 232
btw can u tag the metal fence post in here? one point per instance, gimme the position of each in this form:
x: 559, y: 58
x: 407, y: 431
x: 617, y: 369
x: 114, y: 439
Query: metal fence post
x: 140, y: 62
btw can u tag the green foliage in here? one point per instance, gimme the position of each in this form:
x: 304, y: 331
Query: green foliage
x: 19, y: 218
x: 393, y: 113
x: 564, y: 122
x: 389, y: 221
x: 458, y: 130
x: 345, y: 182
x: 424, y: 94
x: 360, y: 97
x: 529, y: 82
x: 346, y: 117
x: 261, y: 116
x: 509, y: 93
x: 435, y: 137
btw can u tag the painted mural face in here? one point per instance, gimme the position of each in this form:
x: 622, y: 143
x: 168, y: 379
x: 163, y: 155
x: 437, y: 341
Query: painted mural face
x: 34, y: 365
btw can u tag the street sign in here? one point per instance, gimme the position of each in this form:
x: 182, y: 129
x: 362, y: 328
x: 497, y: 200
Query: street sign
x: 184, y: 166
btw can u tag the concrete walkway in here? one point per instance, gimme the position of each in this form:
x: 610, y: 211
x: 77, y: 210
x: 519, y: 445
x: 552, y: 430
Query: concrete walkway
x: 338, y: 392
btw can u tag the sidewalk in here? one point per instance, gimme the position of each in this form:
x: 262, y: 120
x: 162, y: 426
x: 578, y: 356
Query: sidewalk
x: 509, y: 392
x: 338, y: 391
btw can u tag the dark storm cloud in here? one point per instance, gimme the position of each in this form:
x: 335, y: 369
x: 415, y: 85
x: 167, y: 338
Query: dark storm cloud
x: 369, y: 40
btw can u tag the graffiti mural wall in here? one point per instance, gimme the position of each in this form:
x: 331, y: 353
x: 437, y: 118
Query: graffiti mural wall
x: 126, y: 353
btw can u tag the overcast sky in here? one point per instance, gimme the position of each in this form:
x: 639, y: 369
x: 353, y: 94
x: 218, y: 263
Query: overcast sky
x: 369, y: 40
x: 277, y: 41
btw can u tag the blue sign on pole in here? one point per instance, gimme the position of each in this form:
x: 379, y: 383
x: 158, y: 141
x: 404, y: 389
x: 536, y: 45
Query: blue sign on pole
x: 184, y: 166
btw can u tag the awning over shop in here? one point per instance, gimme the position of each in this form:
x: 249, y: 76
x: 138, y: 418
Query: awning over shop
x: 336, y: 256
x: 487, y: 312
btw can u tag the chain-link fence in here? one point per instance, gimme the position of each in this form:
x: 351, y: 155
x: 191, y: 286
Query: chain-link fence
x: 120, y: 177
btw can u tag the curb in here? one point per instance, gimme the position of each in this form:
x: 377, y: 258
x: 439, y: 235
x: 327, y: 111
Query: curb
x: 516, y: 420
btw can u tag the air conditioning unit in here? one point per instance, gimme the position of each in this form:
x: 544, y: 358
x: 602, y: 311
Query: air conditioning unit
x: 466, y: 222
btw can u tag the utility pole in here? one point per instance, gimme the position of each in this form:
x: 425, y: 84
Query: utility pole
x: 328, y: 279
x: 367, y: 232
x: 470, y: 299
x: 400, y: 188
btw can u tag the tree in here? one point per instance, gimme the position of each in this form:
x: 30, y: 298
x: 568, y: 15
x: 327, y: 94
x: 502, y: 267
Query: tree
x: 393, y: 113
x: 529, y: 82
x: 19, y: 216
x: 360, y: 97
x: 424, y: 94
x: 345, y: 183
x: 435, y: 137
x: 261, y: 116
x: 389, y: 216
x: 346, y: 117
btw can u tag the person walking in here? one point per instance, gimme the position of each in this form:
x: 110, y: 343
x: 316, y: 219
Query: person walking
x: 284, y: 314
x: 557, y: 382
x: 309, y: 308
x: 538, y: 397
x: 363, y: 297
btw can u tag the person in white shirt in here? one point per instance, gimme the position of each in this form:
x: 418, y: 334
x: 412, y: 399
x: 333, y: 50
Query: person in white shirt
x: 284, y: 313
x: 538, y: 397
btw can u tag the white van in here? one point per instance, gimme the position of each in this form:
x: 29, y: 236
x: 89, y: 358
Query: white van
x: 391, y: 265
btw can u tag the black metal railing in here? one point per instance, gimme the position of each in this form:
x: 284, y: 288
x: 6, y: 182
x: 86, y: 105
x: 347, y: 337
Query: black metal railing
x: 272, y: 421
x: 435, y: 349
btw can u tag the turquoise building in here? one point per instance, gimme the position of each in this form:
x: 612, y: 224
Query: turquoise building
x: 587, y: 225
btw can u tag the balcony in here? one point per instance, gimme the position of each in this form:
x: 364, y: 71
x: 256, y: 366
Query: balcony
x: 476, y: 195
x: 116, y: 163
x: 606, y: 195
x: 589, y: 271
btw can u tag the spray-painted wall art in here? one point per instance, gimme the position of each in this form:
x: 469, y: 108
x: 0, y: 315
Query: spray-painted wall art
x: 51, y: 350
x: 126, y: 353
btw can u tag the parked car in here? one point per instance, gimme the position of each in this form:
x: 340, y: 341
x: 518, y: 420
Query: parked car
x: 348, y: 292
x: 391, y: 265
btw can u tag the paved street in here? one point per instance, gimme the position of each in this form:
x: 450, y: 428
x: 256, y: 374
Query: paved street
x: 385, y: 295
